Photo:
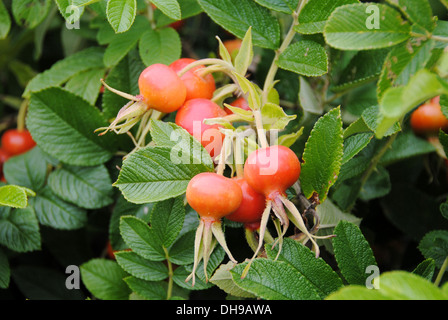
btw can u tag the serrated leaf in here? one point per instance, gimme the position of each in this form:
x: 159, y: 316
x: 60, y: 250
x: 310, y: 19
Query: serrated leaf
x: 87, y: 84
x: 149, y: 290
x: 86, y: 187
x: 121, y: 14
x: 149, y: 175
x: 169, y: 7
x: 364, y: 67
x: 425, y: 269
x: 434, y: 245
x: 53, y: 212
x: 315, y: 13
x: 27, y: 170
x: 104, y: 279
x: 274, y: 280
x: 418, y: 12
x: 19, y: 229
x: 305, y: 57
x: 123, y: 43
x: 284, y: 6
x: 394, y: 285
x: 403, y: 62
x: 160, y: 46
x: 322, y: 155
x: 141, y: 239
x: 352, y: 252
x: 167, y: 218
x: 223, y: 279
x: 316, y: 271
x: 236, y: 16
x: 30, y: 13
x: 63, y: 70
x: 352, y: 27
x: 63, y: 125
x: 14, y: 196
x: 354, y: 144
x: 140, y: 267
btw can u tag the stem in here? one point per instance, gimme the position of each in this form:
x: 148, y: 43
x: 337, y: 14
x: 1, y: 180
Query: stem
x: 441, y: 272
x: 373, y: 164
x: 169, y: 292
x: 120, y: 93
x: 22, y: 115
x: 219, y: 62
x: 439, y: 38
x: 286, y: 41
x: 238, y: 158
x: 150, y: 14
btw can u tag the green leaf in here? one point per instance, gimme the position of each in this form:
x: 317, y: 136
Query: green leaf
x: 352, y: 252
x: 150, y: 175
x: 14, y: 196
x: 140, y: 267
x: 425, y: 269
x: 27, y: 170
x: 54, y: 212
x: 378, y: 185
x: 182, y: 251
x: 284, y: 6
x: 305, y: 57
x: 434, y: 245
x: 394, y: 285
x: 104, y: 279
x: 308, y: 99
x: 63, y: 70
x: 147, y: 289
x: 274, y: 280
x: 86, y: 187
x: 5, y: 271
x: 274, y: 117
x: 322, y: 277
x: 167, y: 219
x: 160, y: 46
x: 403, y: 62
x: 315, y: 14
x: 123, y: 43
x: 223, y: 279
x: 418, y: 12
x: 63, y: 125
x: 236, y: 16
x: 322, y: 155
x: 87, y: 84
x: 351, y: 27
x: 363, y: 68
x: 5, y: 21
x: 169, y: 7
x: 30, y: 13
x: 121, y: 14
x: 124, y: 77
x: 141, y: 239
x: 245, y: 54
x: 170, y: 135
x: 188, y: 8
x: 354, y: 144
x: 19, y: 229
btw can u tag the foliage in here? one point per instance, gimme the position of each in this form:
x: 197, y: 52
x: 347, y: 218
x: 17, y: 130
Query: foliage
x: 335, y: 81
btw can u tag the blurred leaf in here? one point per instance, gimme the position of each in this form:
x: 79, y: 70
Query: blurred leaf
x: 160, y: 46
x: 29, y: 13
x: 425, y: 269
x: 434, y: 245
x: 14, y: 196
x: 418, y: 12
x: 284, y: 6
x: 5, y: 271
x: 169, y: 7
x: 5, y: 21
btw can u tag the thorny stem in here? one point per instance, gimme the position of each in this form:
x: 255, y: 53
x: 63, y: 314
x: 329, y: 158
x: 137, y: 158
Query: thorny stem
x: 441, y: 272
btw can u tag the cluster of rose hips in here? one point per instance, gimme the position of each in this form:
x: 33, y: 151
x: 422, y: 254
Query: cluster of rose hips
x: 187, y: 87
x: 13, y: 143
